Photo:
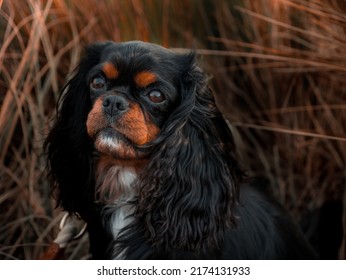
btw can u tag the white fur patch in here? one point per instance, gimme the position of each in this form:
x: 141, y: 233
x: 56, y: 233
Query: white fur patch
x: 117, y: 182
x: 127, y: 177
x: 121, y: 216
x: 111, y: 143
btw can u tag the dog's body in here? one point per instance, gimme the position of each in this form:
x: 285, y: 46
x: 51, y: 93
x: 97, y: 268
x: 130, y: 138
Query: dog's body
x: 141, y: 152
x: 266, y: 233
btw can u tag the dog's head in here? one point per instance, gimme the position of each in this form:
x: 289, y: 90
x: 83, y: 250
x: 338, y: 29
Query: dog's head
x: 133, y: 89
x: 137, y: 101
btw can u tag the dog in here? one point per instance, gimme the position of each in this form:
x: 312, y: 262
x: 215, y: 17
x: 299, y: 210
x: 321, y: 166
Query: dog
x: 140, y: 151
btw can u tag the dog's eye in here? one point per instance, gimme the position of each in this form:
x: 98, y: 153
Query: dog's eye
x: 156, y: 96
x: 98, y: 82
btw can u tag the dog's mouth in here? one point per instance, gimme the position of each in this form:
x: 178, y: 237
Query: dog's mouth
x: 111, y: 142
x: 120, y: 133
x: 111, y: 135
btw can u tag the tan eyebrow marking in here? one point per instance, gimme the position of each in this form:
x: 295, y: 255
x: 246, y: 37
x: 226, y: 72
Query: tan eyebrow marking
x: 110, y: 70
x: 145, y: 78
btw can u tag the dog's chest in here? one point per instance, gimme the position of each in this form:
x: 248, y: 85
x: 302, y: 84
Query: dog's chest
x: 115, y: 189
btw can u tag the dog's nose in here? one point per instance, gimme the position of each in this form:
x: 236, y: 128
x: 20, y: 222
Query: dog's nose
x: 114, y: 105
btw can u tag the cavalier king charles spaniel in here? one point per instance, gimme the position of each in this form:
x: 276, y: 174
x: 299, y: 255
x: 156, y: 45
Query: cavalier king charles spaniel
x: 140, y: 151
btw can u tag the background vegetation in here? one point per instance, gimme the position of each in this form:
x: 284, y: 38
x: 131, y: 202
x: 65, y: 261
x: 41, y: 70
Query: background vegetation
x: 277, y: 67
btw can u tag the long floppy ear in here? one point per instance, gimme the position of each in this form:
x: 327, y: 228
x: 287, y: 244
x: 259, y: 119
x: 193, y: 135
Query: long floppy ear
x: 67, y: 145
x: 186, y: 197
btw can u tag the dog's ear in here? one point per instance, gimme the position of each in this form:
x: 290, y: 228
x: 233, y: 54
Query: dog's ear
x: 67, y: 145
x: 186, y: 197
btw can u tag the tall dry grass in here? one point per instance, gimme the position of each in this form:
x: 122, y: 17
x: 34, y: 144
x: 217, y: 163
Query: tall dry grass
x: 278, y: 68
x: 286, y: 69
x: 288, y: 85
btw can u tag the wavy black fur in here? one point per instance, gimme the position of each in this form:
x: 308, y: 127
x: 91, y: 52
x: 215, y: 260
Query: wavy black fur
x: 191, y: 201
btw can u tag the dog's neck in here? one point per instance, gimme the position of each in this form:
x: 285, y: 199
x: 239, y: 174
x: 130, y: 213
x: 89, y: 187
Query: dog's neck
x: 115, y: 179
x: 115, y: 189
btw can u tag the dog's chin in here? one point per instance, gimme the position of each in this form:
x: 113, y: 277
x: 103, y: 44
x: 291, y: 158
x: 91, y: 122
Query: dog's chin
x: 110, y: 142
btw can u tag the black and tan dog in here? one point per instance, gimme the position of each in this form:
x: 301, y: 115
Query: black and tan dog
x: 140, y: 151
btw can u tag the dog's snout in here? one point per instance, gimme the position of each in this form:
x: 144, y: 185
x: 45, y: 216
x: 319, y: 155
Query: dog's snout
x: 113, y: 105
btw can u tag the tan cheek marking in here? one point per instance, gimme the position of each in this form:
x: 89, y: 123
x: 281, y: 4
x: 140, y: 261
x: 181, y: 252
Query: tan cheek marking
x: 95, y: 119
x: 153, y: 131
x: 110, y: 70
x: 137, y: 129
x: 144, y: 78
